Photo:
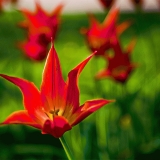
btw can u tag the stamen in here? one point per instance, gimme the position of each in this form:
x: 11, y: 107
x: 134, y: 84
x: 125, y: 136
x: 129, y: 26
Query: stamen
x: 51, y: 112
x: 54, y: 112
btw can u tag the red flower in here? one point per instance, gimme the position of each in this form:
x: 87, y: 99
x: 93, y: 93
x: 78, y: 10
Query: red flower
x: 54, y: 109
x: 41, y: 26
x: 42, y: 21
x: 107, y: 3
x: 99, y: 36
x: 119, y: 64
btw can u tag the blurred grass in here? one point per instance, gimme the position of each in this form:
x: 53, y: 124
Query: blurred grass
x: 126, y: 129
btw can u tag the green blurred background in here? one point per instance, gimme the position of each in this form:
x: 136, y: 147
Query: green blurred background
x: 126, y: 129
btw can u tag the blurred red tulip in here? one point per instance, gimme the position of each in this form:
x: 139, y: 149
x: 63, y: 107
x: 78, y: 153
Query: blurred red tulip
x: 119, y: 65
x: 41, y: 27
x: 41, y: 20
x: 99, y: 36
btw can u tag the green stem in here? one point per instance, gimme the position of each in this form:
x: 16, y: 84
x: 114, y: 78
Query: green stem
x: 66, y: 148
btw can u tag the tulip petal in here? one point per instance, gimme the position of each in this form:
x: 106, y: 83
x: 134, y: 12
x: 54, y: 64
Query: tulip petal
x: 37, y: 18
x: 21, y: 117
x: 102, y: 74
x: 131, y: 46
x: 57, y: 10
x: 53, y: 85
x: 109, y: 24
x: 86, y: 109
x: 57, y: 127
x: 31, y: 19
x: 31, y: 97
x: 72, y: 101
x: 112, y: 16
x: 122, y: 27
x: 93, y: 21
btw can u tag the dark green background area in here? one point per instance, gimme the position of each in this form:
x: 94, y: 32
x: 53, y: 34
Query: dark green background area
x: 126, y: 129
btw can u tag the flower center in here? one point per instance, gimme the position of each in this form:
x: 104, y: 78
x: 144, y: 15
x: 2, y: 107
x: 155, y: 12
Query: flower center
x: 54, y: 112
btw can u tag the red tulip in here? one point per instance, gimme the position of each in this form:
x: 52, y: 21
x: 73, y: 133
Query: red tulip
x: 42, y: 21
x: 99, y: 36
x: 119, y: 64
x: 54, y: 109
x: 41, y: 27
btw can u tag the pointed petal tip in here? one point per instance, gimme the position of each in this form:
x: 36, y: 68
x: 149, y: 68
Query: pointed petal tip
x: 123, y: 26
x: 81, y: 65
x: 112, y: 15
x: 102, y: 74
x: 83, y: 31
x: 106, y: 101
x: 4, y: 76
x: 88, y: 108
x: 114, y: 12
x: 131, y: 45
x: 111, y: 101
x: 2, y: 123
x: 92, y: 18
x: 115, y: 9
x: 52, y: 48
x: 20, y: 117
x: 93, y: 54
x: 52, y: 42
x: 20, y: 45
x: 59, y: 8
x: 135, y: 65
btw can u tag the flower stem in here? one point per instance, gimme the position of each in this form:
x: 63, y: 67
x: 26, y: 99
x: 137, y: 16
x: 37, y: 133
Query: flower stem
x: 66, y: 148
